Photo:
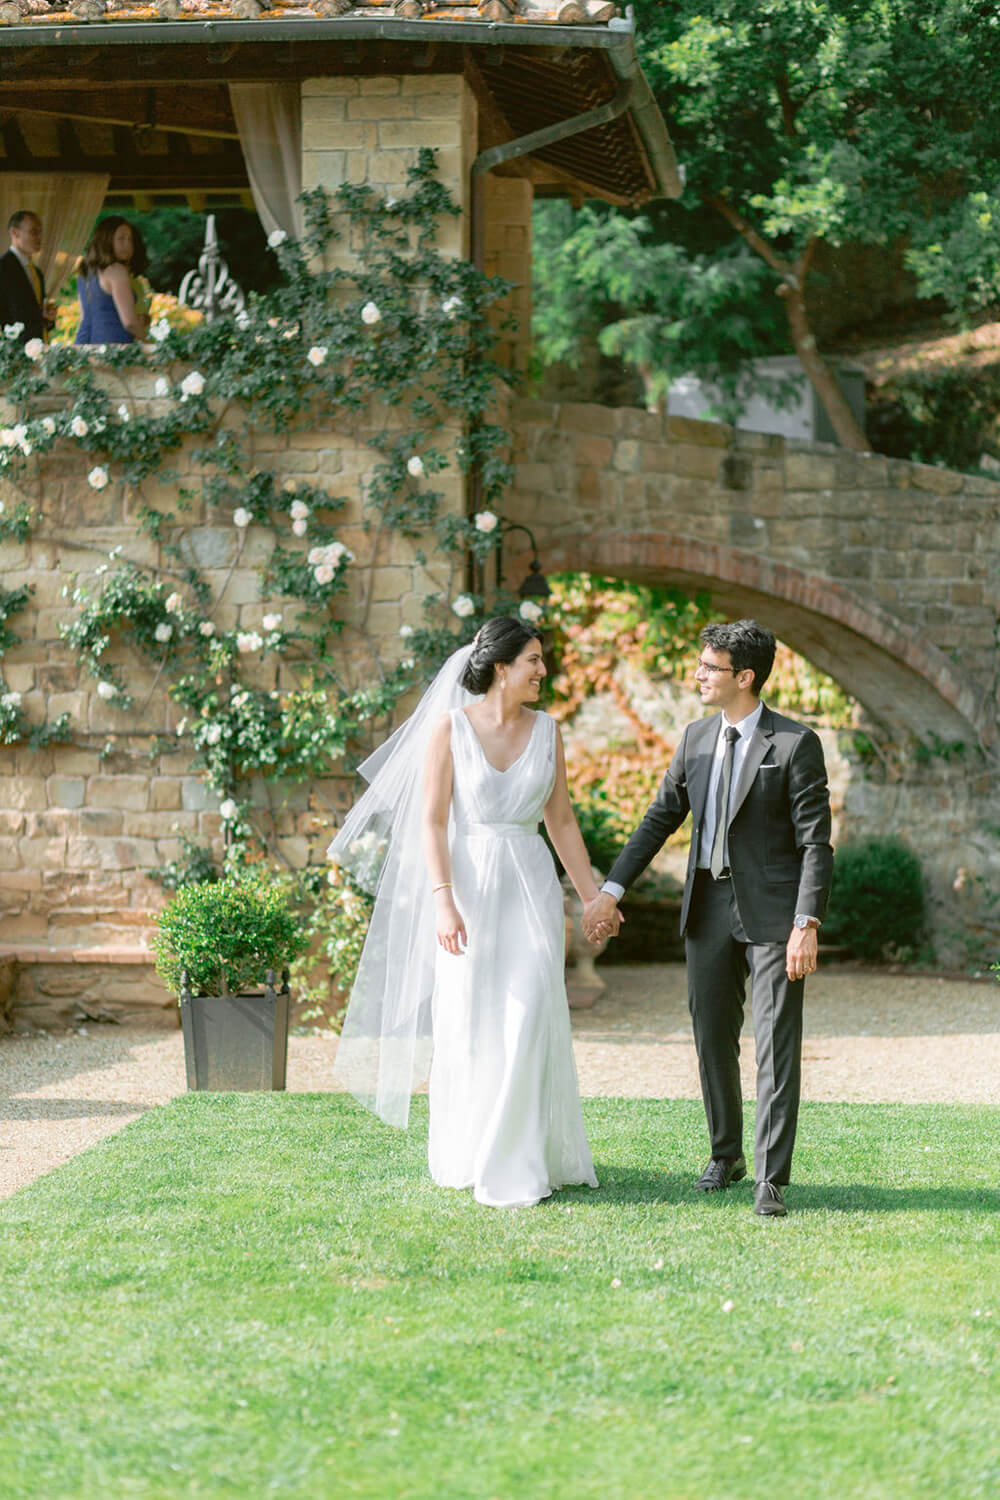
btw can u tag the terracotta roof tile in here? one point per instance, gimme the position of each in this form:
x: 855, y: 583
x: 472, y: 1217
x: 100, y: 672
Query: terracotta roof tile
x: 536, y: 12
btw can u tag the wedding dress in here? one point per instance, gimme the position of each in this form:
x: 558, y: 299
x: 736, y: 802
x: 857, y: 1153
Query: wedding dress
x: 505, y: 1115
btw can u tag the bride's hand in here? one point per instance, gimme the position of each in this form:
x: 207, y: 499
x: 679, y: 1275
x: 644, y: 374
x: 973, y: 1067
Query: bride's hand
x: 451, y: 932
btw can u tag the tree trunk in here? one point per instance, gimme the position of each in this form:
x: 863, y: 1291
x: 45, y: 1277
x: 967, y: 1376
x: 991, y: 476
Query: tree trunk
x: 824, y: 382
x: 792, y: 289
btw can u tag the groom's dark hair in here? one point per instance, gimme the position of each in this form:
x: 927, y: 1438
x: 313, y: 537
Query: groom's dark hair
x: 498, y: 641
x: 749, y: 645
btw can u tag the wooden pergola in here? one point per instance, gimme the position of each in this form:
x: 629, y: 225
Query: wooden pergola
x: 116, y: 88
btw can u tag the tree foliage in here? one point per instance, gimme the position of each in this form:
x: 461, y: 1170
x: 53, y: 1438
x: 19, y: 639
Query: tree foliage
x: 828, y: 123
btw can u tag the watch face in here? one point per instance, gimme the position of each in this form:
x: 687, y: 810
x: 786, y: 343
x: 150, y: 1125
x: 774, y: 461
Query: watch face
x: 802, y: 921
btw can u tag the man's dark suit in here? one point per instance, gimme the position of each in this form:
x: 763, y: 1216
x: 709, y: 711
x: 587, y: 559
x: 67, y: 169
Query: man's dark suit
x: 780, y: 863
x: 18, y: 302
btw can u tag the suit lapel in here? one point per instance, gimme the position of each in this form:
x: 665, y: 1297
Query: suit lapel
x: 703, y: 739
x: 757, y: 749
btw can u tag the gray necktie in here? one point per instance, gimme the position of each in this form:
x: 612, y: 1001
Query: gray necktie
x: 718, y: 861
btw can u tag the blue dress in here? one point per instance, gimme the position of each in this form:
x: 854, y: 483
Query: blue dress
x: 99, y: 320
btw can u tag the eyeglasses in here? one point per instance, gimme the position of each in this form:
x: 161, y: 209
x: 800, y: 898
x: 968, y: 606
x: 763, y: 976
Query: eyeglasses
x: 709, y: 666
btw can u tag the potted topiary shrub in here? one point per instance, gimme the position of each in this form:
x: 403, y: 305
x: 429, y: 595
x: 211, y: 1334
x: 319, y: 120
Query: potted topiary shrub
x: 219, y: 948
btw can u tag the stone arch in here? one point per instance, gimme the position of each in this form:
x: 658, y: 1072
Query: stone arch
x: 902, y: 681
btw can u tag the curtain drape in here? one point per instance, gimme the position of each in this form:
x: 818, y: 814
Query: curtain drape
x: 269, y: 119
x: 67, y: 204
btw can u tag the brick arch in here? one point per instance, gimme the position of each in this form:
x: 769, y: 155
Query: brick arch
x: 903, y: 681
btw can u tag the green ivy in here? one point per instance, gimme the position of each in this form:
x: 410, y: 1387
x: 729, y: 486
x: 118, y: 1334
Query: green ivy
x: 406, y: 330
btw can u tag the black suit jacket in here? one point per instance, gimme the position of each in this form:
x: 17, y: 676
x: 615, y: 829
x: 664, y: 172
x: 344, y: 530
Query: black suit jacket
x: 779, y: 826
x: 18, y: 303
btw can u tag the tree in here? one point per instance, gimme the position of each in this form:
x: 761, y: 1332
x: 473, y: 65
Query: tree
x: 605, y: 276
x: 804, y: 124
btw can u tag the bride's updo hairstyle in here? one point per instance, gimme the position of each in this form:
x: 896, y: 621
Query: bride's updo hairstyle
x: 499, y: 642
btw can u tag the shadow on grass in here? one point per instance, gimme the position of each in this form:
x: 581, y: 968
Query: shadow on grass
x: 863, y: 1197
x: 624, y: 1185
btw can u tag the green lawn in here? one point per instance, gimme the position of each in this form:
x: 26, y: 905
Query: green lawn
x: 265, y: 1296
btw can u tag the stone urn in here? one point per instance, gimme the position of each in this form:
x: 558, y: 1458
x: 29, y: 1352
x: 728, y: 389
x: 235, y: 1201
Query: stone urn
x: 583, y: 982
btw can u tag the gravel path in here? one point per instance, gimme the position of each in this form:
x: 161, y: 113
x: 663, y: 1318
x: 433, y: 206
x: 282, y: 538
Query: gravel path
x: 869, y: 1037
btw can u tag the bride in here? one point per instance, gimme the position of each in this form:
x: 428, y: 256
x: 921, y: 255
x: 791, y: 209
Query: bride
x: 463, y: 963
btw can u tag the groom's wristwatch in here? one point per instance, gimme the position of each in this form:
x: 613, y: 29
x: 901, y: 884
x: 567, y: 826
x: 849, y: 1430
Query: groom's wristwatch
x: 801, y: 920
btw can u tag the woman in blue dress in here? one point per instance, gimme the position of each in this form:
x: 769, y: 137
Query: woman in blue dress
x: 109, y: 313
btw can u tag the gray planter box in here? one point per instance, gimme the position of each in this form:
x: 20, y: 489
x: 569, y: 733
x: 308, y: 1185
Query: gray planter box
x: 236, y: 1043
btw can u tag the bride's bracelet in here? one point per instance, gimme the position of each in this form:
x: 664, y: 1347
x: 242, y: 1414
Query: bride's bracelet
x: 444, y: 886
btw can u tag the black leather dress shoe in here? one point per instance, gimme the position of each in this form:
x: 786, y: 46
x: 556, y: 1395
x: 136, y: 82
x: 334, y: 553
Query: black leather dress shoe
x: 720, y: 1173
x: 768, y: 1201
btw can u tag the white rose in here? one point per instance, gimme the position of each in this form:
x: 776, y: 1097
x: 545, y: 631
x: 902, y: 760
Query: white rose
x: 249, y: 640
x: 450, y: 306
x: 415, y: 466
x: 13, y: 330
x: 174, y: 604
x: 181, y: 728
x: 300, y: 527
x: 162, y: 387
x: 335, y: 552
x: 276, y: 238
x: 163, y: 633
x: 317, y: 354
x: 486, y: 520
x: 316, y: 556
x: 530, y: 611
x: 299, y: 510
x: 242, y: 518
x: 323, y: 574
x: 193, y: 384
x: 78, y: 427
x: 107, y: 691
x: 228, y: 810
x: 97, y: 478
x: 464, y: 606
x: 7, y: 438
x: 10, y: 700
x: 406, y: 631
x: 213, y: 734
x: 206, y: 628
x: 271, y: 622
x: 124, y: 413
x: 160, y: 330
x: 370, y: 314
x: 34, y: 348
x: 49, y: 426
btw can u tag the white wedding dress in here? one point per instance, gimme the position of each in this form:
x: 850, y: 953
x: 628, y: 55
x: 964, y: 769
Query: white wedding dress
x: 505, y: 1114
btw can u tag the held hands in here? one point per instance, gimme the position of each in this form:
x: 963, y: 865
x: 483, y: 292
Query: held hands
x: 802, y: 952
x: 601, y: 918
x: 451, y: 934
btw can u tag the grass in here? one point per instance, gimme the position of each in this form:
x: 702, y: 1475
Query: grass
x: 264, y: 1295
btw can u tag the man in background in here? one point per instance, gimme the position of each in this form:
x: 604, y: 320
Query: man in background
x: 22, y: 285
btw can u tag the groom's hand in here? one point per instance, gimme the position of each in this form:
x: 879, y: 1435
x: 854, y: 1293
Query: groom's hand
x: 601, y: 918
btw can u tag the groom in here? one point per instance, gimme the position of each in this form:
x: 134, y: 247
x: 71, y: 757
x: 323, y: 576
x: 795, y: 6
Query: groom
x: 757, y: 883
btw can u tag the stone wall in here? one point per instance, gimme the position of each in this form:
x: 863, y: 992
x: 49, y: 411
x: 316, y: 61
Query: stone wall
x: 84, y: 824
x: 883, y: 573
